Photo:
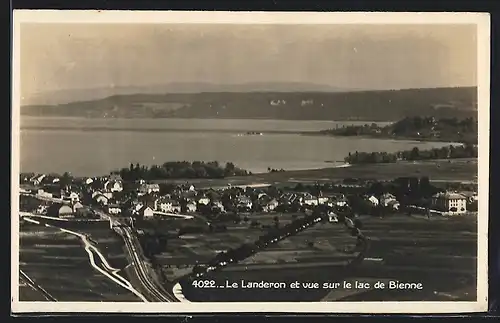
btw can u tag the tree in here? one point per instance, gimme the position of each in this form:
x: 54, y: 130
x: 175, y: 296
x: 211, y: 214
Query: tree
x: 415, y: 153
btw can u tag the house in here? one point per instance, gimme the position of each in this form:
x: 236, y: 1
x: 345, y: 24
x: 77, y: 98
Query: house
x: 470, y: 196
x: 386, y: 199
x: 146, y: 211
x: 337, y: 200
x: 449, y: 202
x: 394, y: 204
x: 25, y: 177
x: 191, y: 207
x: 73, y: 197
x: 59, y: 210
x: 114, y: 209
x: 96, y: 193
x: 101, y: 199
x: 322, y: 199
x: 332, y: 217
x: 204, y: 200
x: 147, y: 188
x: 41, y: 209
x: 76, y: 205
x: 269, y: 206
x: 217, y: 205
x: 244, y: 202
x: 373, y: 200
x: 37, y: 179
x: 310, y: 200
x: 89, y: 181
x: 136, y: 205
x: 113, y: 186
x: 167, y: 205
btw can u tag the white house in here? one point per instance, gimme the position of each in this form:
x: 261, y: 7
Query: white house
x: 394, y: 204
x: 245, y: 202
x: 323, y: 199
x: 101, y: 199
x: 138, y: 206
x: 332, y: 217
x: 270, y: 206
x: 191, y: 206
x: 96, y: 193
x: 146, y: 212
x: 451, y: 203
x: 89, y: 181
x: 76, y: 205
x: 470, y: 196
x: 203, y: 200
x: 386, y: 199
x: 113, y: 186
x: 73, y: 197
x: 311, y: 201
x: 373, y: 200
x: 167, y: 205
x: 37, y: 179
x: 340, y: 200
x: 114, y: 209
x: 218, y: 205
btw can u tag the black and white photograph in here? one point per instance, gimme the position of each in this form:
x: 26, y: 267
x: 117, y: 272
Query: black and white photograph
x: 250, y: 162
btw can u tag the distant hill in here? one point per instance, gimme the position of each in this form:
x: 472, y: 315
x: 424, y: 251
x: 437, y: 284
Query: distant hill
x: 74, y: 95
x: 356, y: 105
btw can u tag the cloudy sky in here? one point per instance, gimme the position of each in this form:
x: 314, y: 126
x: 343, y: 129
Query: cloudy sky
x: 70, y: 56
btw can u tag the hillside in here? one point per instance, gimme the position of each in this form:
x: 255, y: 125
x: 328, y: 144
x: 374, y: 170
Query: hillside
x: 361, y: 105
x: 97, y: 93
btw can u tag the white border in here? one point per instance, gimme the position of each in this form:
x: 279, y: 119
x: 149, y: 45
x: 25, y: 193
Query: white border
x: 482, y: 20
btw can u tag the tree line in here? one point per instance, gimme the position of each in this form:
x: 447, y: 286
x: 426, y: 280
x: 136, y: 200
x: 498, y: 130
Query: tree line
x: 181, y: 169
x: 447, y: 152
x: 444, y: 129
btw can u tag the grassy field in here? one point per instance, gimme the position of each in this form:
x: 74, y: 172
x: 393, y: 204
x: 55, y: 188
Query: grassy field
x: 436, y: 170
x: 57, y: 261
x: 440, y: 254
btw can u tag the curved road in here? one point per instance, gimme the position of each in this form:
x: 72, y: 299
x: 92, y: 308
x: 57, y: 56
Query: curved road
x: 156, y: 293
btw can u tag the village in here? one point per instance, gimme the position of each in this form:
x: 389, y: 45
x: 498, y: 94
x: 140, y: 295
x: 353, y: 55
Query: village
x: 65, y: 196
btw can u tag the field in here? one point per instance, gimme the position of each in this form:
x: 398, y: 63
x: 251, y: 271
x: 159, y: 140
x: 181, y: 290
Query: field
x: 437, y: 170
x: 439, y: 253
x: 58, y: 262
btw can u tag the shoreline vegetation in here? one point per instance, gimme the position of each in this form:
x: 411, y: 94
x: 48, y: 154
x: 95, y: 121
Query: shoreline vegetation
x: 415, y: 154
x: 415, y: 128
x: 180, y: 170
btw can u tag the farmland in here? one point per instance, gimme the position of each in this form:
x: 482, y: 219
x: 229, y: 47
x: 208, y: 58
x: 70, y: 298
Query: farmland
x: 439, y: 254
x: 58, y: 262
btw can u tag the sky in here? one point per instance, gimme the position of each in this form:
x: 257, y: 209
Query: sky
x: 73, y: 56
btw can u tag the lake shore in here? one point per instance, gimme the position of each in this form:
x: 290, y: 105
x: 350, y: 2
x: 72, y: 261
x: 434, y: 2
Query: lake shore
x: 457, y: 170
x: 244, y: 132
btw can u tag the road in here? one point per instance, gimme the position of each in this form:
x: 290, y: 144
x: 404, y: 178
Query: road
x: 156, y: 292
x: 97, y: 261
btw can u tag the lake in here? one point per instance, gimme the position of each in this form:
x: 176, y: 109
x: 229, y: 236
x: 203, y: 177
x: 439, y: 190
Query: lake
x: 90, y: 147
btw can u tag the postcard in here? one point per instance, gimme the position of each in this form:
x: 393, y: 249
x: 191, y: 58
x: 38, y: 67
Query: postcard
x: 234, y: 162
